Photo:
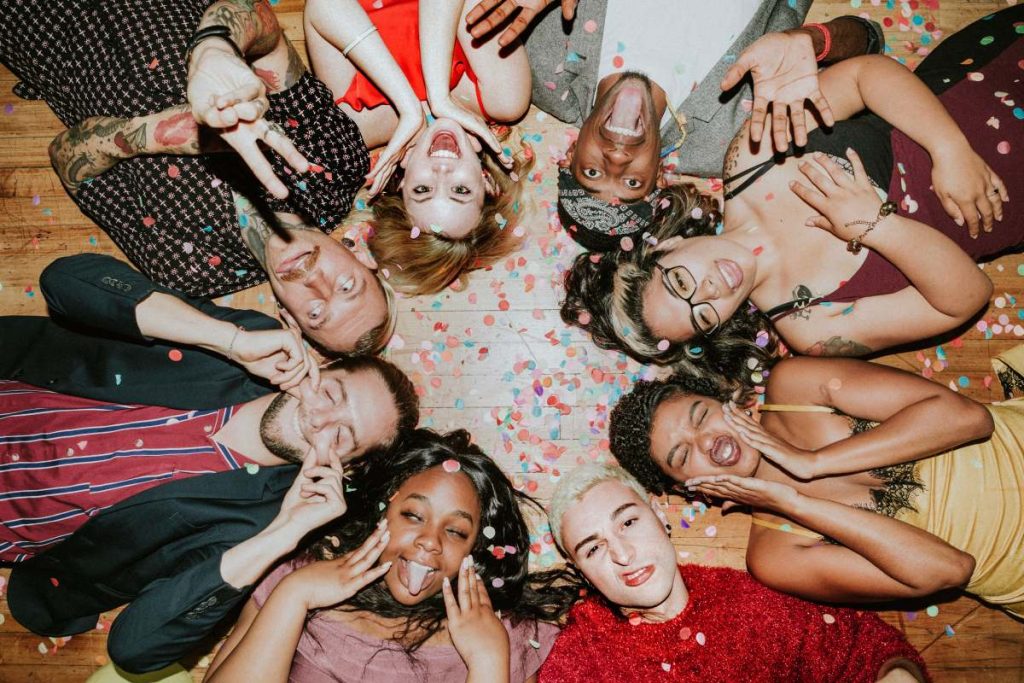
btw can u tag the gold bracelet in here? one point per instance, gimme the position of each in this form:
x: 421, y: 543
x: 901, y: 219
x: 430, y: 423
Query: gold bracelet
x: 854, y: 245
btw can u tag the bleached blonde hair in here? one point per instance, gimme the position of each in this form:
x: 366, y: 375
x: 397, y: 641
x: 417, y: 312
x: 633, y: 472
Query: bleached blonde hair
x: 574, y: 485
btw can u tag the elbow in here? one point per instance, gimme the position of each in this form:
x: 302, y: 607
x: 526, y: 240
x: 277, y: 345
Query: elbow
x: 980, y: 424
x: 955, y: 571
x: 132, y: 658
x: 974, y: 301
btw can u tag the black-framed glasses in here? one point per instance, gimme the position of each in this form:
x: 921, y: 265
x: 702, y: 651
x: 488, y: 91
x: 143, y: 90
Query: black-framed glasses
x: 681, y: 284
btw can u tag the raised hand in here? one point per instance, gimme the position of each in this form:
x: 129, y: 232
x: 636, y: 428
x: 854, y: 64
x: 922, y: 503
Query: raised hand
x: 757, y: 493
x: 331, y: 582
x: 840, y: 200
x: 279, y: 356
x: 798, y: 462
x: 969, y: 190
x: 316, y: 497
x: 785, y: 75
x: 476, y: 632
x: 490, y: 14
x: 410, y: 125
x: 226, y: 95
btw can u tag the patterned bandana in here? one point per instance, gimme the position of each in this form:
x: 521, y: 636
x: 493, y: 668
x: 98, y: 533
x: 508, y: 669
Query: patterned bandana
x: 596, y: 224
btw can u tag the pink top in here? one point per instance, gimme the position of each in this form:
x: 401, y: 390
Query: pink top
x: 329, y: 650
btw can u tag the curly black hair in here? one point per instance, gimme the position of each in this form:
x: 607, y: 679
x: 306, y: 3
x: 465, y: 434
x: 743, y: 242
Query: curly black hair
x: 632, y: 420
x: 520, y: 595
x: 604, y: 296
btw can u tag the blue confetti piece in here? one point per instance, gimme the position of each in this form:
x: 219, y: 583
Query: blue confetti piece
x: 572, y: 57
x: 117, y: 379
x: 241, y: 272
x: 459, y: 404
x: 620, y: 46
x: 302, y: 185
x: 360, y: 205
x: 1018, y: 113
x: 243, y: 220
x: 207, y: 228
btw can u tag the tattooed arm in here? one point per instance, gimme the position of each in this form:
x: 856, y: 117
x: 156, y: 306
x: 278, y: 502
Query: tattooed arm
x: 256, y: 230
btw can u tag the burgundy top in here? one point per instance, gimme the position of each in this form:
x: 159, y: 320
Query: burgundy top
x: 732, y: 629
x: 330, y: 650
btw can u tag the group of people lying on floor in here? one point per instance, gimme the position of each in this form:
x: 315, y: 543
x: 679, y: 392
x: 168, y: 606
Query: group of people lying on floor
x: 193, y: 460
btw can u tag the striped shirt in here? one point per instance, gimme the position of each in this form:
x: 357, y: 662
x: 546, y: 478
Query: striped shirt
x: 64, y: 459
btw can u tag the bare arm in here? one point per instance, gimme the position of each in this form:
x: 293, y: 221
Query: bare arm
x: 880, y: 558
x: 503, y: 74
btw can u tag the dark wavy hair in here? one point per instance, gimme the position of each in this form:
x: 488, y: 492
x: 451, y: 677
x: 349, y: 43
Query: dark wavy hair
x: 520, y: 595
x: 632, y: 420
x: 401, y: 388
x: 604, y: 296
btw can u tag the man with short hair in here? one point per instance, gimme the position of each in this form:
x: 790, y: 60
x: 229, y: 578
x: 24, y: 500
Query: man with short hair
x: 654, y: 620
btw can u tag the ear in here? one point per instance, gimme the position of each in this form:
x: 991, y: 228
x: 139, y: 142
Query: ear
x: 659, y: 512
x: 669, y: 244
x: 566, y: 161
x: 364, y: 257
x: 490, y: 186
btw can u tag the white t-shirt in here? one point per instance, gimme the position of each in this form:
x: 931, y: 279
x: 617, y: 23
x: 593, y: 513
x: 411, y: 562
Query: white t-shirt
x: 674, y: 42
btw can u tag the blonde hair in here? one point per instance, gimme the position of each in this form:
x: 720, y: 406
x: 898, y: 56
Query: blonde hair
x: 574, y: 485
x: 432, y: 261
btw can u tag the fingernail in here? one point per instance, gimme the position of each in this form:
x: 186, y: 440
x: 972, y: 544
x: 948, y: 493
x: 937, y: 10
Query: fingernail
x: 387, y: 564
x: 959, y: 221
x: 447, y: 582
x: 466, y: 562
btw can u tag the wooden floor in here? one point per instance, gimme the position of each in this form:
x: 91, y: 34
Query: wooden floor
x: 496, y: 359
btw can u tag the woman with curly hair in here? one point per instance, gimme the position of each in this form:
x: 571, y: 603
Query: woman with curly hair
x: 407, y: 584
x: 857, y: 494
x: 826, y: 294
x: 453, y: 208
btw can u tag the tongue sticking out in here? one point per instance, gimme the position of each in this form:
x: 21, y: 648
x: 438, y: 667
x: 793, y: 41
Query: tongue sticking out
x: 626, y: 111
x: 417, y: 576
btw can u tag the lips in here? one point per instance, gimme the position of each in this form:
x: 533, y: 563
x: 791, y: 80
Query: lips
x: 638, y: 577
x: 444, y: 145
x: 414, y: 576
x: 626, y: 116
x: 725, y: 452
x: 731, y: 273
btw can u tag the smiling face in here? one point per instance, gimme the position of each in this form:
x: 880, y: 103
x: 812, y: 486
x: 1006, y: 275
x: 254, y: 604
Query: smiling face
x: 614, y: 537
x: 616, y: 153
x: 690, y: 438
x: 444, y: 185
x: 350, y: 413
x: 326, y: 290
x: 722, y: 271
x: 434, y: 519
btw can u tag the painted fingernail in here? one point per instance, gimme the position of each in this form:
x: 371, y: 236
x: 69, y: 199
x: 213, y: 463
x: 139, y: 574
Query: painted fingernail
x: 466, y: 561
x: 447, y: 582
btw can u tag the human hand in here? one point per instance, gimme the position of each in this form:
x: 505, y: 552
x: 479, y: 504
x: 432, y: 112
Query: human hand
x: 757, y: 493
x: 410, y: 125
x: 226, y: 95
x: 785, y: 74
x: 489, y: 14
x: 471, y: 123
x: 315, y: 498
x: 476, y: 632
x: 840, y: 200
x: 330, y: 582
x: 276, y: 355
x: 798, y: 462
x: 968, y: 189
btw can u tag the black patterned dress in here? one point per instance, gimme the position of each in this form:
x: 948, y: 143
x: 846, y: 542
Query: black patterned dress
x: 173, y: 215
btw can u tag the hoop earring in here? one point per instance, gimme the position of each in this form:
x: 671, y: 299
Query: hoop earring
x: 693, y: 351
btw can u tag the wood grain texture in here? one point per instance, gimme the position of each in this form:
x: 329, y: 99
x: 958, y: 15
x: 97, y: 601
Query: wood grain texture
x: 496, y: 359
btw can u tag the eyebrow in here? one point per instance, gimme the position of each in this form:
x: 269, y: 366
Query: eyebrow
x: 348, y: 405
x: 593, y: 537
x: 458, y: 513
x: 672, y: 451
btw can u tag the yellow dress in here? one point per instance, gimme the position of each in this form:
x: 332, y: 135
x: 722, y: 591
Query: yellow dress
x: 973, y: 498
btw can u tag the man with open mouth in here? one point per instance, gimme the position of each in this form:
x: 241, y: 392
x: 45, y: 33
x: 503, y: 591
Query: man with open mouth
x: 651, y: 619
x: 645, y: 78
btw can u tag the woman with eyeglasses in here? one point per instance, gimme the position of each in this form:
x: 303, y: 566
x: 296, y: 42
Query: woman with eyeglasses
x: 808, y: 238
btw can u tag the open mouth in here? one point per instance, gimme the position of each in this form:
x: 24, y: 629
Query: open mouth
x: 626, y: 115
x: 414, y: 576
x: 297, y: 267
x: 639, y: 577
x: 444, y: 146
x: 725, y: 452
x: 731, y: 273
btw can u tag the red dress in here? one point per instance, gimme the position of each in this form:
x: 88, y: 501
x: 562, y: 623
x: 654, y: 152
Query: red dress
x: 732, y: 629
x: 397, y: 21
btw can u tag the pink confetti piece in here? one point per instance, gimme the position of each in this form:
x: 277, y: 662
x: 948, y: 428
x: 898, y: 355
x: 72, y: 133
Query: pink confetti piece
x: 626, y: 243
x: 415, y: 232
x: 451, y: 466
x: 590, y: 26
x: 1003, y: 147
x: 175, y: 355
x: 828, y: 618
x: 701, y: 638
x: 664, y: 344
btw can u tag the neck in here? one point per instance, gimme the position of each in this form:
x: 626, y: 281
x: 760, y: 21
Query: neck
x: 671, y: 607
x: 657, y: 94
x: 242, y: 432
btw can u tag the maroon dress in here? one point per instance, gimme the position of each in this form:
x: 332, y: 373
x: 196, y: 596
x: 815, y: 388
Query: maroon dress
x: 173, y: 215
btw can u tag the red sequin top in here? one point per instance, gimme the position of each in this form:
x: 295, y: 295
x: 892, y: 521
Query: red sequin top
x: 733, y: 629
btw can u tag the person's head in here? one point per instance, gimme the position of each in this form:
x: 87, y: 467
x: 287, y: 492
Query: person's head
x: 610, y: 177
x: 330, y: 292
x: 677, y: 298
x: 613, y: 532
x: 668, y: 431
x: 444, y: 499
x: 363, y: 404
x: 455, y: 212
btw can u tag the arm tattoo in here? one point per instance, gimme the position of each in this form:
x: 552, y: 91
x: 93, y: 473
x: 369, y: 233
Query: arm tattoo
x: 837, y: 346
x: 732, y: 155
x: 257, y: 230
x: 93, y: 146
x: 253, y: 25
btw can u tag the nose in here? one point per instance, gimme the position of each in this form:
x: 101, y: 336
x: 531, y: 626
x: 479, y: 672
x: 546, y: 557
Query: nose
x: 620, y: 551
x: 617, y: 155
x: 429, y: 539
x: 321, y: 284
x: 709, y: 290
